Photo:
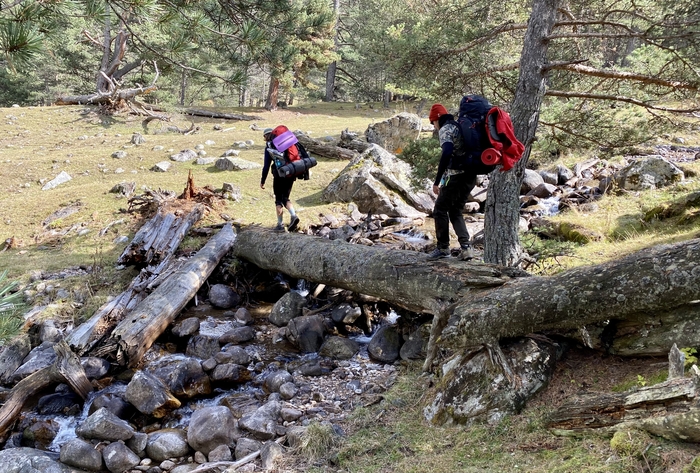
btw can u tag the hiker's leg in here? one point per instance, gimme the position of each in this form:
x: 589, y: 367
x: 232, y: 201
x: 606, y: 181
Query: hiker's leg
x: 290, y: 208
x: 442, y: 221
x: 460, y: 187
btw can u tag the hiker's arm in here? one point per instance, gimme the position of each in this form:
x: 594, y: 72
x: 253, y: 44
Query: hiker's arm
x: 266, y: 168
x: 447, y: 148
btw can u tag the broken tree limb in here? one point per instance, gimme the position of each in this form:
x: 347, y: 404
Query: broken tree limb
x: 134, y: 335
x: 404, y: 278
x: 211, y: 114
x: 66, y: 369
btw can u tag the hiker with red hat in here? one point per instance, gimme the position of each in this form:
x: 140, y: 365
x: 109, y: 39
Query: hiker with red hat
x: 451, y: 185
x: 281, y: 186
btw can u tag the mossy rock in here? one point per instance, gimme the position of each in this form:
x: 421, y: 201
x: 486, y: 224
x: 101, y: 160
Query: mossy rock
x: 630, y: 443
x: 578, y: 233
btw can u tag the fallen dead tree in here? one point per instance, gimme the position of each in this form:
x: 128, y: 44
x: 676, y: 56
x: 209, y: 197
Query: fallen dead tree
x: 323, y: 149
x: 135, y: 334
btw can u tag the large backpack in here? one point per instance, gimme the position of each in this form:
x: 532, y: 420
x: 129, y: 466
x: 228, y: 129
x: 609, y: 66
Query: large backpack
x: 291, y: 159
x: 487, y: 133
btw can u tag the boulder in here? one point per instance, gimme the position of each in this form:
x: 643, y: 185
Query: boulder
x: 167, y: 443
x: 379, y: 183
x: 81, y: 454
x: 183, y: 376
x: 385, y: 344
x: 395, y: 133
x: 119, y: 458
x: 211, y: 427
x: 286, y: 308
x: 306, y: 333
x: 103, y: 425
x: 649, y: 172
x: 149, y: 395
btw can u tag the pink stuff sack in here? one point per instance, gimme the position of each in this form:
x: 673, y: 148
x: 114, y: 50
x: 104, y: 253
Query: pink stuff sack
x: 284, y: 141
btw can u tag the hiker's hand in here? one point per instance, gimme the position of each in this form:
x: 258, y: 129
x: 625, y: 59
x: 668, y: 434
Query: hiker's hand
x: 262, y: 186
x: 436, y: 189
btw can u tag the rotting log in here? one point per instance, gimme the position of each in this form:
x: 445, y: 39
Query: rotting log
x: 135, y: 334
x: 154, y: 245
x: 66, y: 369
x: 667, y: 409
x: 225, y: 116
x: 161, y: 235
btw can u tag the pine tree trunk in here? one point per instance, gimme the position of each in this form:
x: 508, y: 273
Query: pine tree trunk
x: 272, y: 94
x: 502, y: 245
x: 330, y: 81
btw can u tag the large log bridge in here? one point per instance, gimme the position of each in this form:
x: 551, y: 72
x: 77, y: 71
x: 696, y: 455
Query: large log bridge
x: 481, y: 303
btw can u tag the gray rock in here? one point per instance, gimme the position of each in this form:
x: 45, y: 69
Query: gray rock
x: 476, y: 390
x: 183, y: 376
x: 379, y: 183
x: 288, y: 391
x: 289, y: 414
x: 62, y: 178
x: 37, y: 359
x: 396, y: 132
x: 339, y: 348
x: 58, y: 403
x: 138, y: 442
x: 137, y: 139
x: 345, y: 313
x: 103, y: 425
x: 531, y: 179
x: 287, y: 308
x: 230, y: 373
x: 184, y: 156
x: 274, y: 380
x: 246, y: 446
x: 186, y: 328
x: 81, y: 454
x: 114, y: 403
x: 202, y: 346
x: 211, y: 427
x: 306, y: 333
x: 95, y: 368
x: 563, y: 174
x: 149, y: 395
x: 550, y: 177
x: 16, y: 350
x: 385, y: 344
x: 223, y: 296
x: 243, y: 316
x: 415, y: 347
x: 238, y: 335
x: 235, y: 164
x: 233, y: 354
x: 119, y: 458
x: 650, y: 172
x: 269, y: 454
x: 543, y: 191
x: 30, y: 460
x: 222, y: 453
x: 241, y: 403
x: 167, y: 443
x: 119, y: 154
x: 163, y: 166
x: 262, y: 424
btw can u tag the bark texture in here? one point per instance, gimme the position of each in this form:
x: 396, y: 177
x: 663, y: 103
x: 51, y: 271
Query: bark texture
x: 502, y: 209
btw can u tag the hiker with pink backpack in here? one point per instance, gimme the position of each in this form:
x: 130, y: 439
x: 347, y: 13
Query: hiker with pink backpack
x: 287, y: 159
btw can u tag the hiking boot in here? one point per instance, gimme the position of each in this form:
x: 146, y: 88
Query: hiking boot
x: 293, y: 224
x: 438, y: 253
x: 466, y: 253
x: 279, y: 227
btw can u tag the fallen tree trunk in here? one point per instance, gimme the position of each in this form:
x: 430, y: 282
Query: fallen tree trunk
x: 480, y: 303
x: 105, y: 98
x: 134, y: 335
x: 226, y: 116
x: 153, y: 245
x: 66, y: 369
x: 325, y: 150
x: 404, y: 278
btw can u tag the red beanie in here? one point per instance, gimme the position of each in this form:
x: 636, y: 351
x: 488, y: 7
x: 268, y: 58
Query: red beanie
x: 436, y: 111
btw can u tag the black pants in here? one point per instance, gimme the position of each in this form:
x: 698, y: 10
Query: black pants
x: 282, y: 187
x: 449, y: 207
